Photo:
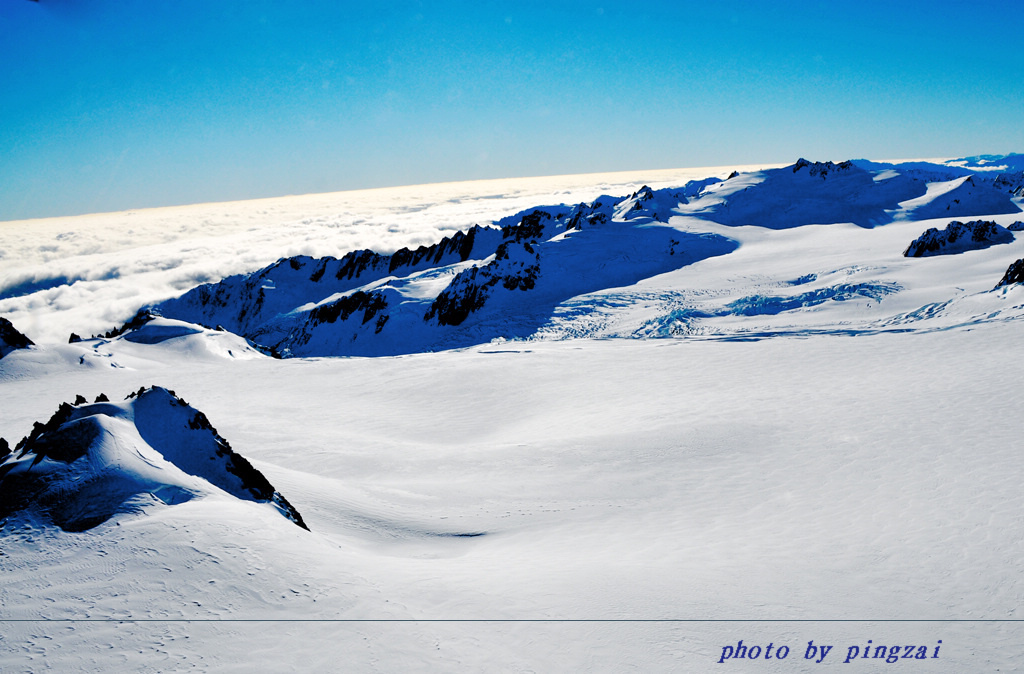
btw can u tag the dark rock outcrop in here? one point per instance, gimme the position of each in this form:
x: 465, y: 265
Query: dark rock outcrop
x: 592, y: 214
x: 958, y: 237
x: 142, y: 316
x: 244, y: 304
x: 1011, y: 182
x: 371, y: 304
x: 11, y: 339
x: 516, y: 266
x: 1014, y: 274
x: 530, y: 228
x: 821, y: 169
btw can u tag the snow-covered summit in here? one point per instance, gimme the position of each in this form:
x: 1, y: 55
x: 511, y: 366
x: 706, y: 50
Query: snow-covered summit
x: 92, y: 461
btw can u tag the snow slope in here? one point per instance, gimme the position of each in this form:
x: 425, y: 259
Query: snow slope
x: 806, y: 438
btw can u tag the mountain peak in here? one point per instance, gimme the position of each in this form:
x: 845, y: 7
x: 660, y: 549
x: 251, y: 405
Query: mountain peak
x: 91, y: 461
x: 822, y: 169
x: 11, y: 339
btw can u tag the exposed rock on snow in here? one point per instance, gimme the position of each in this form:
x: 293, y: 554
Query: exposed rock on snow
x: 591, y: 214
x: 370, y: 304
x: 821, y: 169
x: 516, y: 266
x: 530, y: 228
x: 1011, y: 182
x: 92, y: 461
x: 142, y: 317
x: 958, y: 237
x: 10, y: 338
x: 245, y: 303
x: 646, y: 203
x: 505, y: 281
x: 1014, y: 274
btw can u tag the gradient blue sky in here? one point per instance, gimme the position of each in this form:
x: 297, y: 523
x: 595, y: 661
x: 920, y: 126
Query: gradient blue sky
x: 116, y: 104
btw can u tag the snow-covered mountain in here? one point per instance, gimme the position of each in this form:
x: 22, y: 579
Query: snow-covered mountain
x: 92, y: 461
x: 492, y: 282
x: 622, y: 432
x: 864, y: 193
x: 506, y: 281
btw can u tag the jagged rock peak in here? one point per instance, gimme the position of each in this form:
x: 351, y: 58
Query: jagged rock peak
x: 594, y: 213
x: 1011, y: 182
x: 516, y: 266
x: 958, y: 237
x: 89, y: 462
x: 1014, y: 274
x: 246, y: 303
x: 11, y: 339
x: 530, y: 227
x: 371, y: 304
x: 142, y: 316
x: 643, y: 194
x: 821, y: 168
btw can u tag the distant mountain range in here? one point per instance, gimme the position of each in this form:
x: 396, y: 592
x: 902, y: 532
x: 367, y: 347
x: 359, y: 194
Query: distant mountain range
x: 504, y: 280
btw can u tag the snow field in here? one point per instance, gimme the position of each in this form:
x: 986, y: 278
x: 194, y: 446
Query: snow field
x: 825, y: 478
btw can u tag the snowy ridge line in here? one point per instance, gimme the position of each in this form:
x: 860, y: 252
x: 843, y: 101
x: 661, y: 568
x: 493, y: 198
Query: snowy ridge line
x: 71, y: 286
x: 506, y: 290
x: 513, y: 274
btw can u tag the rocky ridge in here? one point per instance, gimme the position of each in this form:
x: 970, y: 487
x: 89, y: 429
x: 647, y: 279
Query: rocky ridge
x: 11, y: 339
x: 89, y: 462
x: 1014, y: 274
x: 957, y: 237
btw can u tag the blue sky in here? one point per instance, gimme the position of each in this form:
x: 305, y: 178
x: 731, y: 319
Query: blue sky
x: 116, y: 104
